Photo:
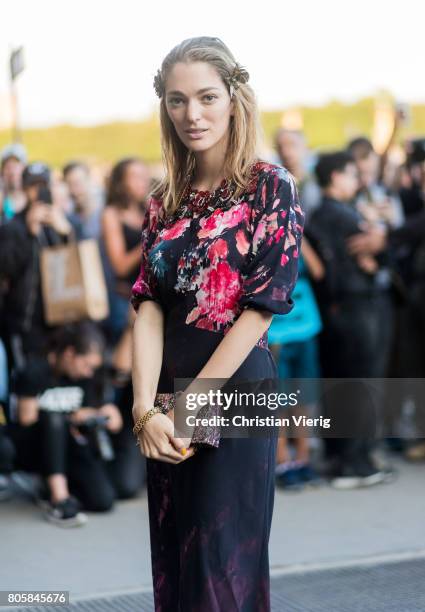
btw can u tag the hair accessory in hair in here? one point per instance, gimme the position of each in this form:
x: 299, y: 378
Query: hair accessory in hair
x: 158, y: 84
x: 238, y: 76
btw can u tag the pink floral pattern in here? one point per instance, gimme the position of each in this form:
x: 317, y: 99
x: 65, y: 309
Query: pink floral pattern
x: 215, y: 264
x: 217, y: 298
x: 176, y: 230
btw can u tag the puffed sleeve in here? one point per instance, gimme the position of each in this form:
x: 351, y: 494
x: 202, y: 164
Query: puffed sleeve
x: 277, y: 227
x: 145, y: 287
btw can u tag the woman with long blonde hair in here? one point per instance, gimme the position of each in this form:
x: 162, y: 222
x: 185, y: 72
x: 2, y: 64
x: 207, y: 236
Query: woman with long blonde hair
x: 220, y: 243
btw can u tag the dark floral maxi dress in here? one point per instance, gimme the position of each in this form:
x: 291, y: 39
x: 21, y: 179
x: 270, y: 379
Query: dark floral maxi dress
x: 210, y: 516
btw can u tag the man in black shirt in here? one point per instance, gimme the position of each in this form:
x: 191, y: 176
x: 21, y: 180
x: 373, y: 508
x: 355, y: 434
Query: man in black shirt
x: 408, y: 244
x: 56, y: 397
x: 356, y: 313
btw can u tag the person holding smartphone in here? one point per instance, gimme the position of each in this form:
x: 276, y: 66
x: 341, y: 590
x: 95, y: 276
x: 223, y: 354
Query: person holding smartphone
x: 41, y: 223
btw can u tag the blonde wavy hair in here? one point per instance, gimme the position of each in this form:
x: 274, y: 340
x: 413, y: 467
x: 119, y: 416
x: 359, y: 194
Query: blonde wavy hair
x: 179, y: 161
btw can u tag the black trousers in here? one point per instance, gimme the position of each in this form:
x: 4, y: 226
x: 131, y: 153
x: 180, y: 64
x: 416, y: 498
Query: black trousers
x: 7, y: 452
x: 356, y: 343
x: 48, y: 447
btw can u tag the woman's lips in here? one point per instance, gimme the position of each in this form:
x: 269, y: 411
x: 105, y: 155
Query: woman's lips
x: 195, y: 134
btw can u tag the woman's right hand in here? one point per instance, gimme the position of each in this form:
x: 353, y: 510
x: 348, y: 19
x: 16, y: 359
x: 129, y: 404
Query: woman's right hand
x: 157, y: 441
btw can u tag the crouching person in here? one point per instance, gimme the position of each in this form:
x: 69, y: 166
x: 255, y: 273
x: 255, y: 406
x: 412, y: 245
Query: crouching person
x: 65, y: 428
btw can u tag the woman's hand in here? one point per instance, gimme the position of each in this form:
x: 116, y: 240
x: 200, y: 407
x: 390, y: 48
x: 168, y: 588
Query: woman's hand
x: 157, y: 441
x: 186, y: 440
x: 157, y: 438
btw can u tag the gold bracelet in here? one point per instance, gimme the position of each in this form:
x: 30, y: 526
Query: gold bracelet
x: 142, y: 420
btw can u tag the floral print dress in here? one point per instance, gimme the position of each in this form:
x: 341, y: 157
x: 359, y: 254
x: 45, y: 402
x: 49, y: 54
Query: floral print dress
x: 204, y: 267
x: 210, y: 516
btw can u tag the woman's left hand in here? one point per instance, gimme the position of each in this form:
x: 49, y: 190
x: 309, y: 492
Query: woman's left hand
x: 187, y: 441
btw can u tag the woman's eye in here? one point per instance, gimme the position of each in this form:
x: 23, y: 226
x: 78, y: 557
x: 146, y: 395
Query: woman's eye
x: 209, y: 98
x: 174, y: 101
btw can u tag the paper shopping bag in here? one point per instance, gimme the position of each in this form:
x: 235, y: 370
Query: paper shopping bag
x: 73, y: 283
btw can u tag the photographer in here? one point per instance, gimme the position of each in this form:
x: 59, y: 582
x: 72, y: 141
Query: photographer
x: 63, y: 425
x: 41, y: 223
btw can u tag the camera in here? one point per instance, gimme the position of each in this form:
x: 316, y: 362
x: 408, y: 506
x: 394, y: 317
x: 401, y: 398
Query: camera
x: 94, y: 428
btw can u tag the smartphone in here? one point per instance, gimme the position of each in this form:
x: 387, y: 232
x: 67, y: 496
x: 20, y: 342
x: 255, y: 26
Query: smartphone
x: 44, y: 195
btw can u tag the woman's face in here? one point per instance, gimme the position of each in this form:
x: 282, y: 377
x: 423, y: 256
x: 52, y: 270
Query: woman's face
x: 136, y: 181
x: 198, y: 104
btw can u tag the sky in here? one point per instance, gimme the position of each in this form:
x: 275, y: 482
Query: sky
x: 93, y: 61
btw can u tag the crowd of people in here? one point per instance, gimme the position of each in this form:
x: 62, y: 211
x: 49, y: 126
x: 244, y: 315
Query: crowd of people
x: 65, y: 390
x: 359, y: 305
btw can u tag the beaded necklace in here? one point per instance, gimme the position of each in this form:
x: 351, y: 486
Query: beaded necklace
x: 199, y: 201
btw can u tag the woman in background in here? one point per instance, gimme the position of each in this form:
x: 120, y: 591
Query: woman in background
x: 293, y: 342
x: 121, y: 227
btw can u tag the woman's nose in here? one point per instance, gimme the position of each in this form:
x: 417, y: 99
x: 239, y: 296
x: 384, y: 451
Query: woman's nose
x: 193, y: 111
